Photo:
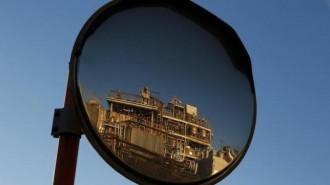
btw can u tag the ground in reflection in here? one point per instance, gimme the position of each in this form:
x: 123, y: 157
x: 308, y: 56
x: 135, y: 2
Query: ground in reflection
x: 166, y: 141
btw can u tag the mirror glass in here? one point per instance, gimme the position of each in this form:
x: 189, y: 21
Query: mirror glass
x: 164, y: 96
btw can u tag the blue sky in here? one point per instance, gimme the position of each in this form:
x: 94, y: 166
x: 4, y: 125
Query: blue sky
x: 288, y: 42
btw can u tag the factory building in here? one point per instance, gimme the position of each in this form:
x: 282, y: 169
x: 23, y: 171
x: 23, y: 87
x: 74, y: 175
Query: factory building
x: 163, y: 140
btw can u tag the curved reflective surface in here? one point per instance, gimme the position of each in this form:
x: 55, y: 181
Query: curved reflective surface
x: 164, y: 96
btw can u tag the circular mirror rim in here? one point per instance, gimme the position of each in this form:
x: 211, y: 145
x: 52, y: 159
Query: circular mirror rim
x: 227, y: 37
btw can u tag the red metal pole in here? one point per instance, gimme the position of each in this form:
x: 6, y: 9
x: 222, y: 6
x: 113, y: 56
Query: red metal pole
x: 66, y: 161
x: 67, y: 153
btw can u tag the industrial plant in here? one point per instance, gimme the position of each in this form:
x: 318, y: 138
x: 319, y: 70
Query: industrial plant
x: 168, y: 141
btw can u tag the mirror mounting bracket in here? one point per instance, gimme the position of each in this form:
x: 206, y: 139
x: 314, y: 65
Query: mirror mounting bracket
x: 65, y: 122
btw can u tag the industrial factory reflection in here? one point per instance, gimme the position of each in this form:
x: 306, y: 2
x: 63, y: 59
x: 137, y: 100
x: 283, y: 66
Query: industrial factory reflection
x: 167, y: 141
x: 168, y: 99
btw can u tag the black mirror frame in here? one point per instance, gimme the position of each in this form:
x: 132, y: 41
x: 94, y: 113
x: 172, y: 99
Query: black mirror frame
x: 227, y: 36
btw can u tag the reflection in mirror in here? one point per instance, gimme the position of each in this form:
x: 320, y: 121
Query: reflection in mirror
x: 164, y: 96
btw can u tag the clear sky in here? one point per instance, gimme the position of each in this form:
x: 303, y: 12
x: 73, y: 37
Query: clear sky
x: 288, y: 42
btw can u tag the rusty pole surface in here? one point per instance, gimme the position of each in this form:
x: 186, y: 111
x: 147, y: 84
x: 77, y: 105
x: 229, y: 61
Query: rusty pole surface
x: 67, y: 152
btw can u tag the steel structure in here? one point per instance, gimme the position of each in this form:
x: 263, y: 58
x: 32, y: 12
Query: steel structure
x: 165, y: 140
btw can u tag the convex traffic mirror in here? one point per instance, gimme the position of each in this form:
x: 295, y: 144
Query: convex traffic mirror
x: 165, y: 91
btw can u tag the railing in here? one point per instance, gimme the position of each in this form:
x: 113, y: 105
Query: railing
x: 155, y: 102
x: 192, y: 119
x: 197, y: 120
x: 134, y: 98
